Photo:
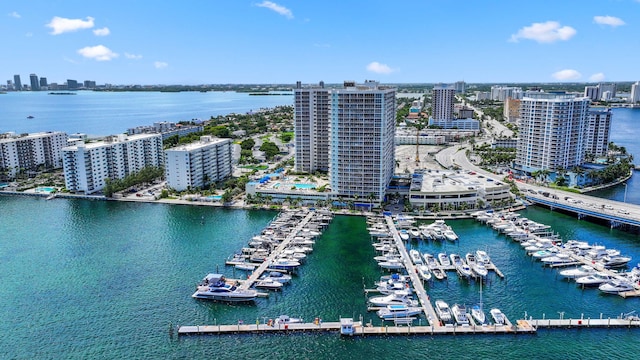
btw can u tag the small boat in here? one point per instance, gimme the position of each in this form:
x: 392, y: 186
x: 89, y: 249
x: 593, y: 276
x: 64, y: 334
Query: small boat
x: 593, y: 279
x: 578, y: 272
x: 460, y: 314
x: 450, y: 235
x: 284, y: 264
x: 430, y: 261
x: 498, y: 317
x: 398, y: 311
x: 443, y: 311
x: 404, y: 234
x: 30, y: 117
x: 414, y: 232
x: 285, y: 319
x: 277, y: 276
x: 557, y: 259
x: 483, y: 257
x: 463, y: 269
x: 478, y: 315
x: 268, y: 284
x: 415, y: 257
x: 616, y: 286
x: 391, y: 264
x: 438, y: 273
x: 444, y: 260
x: 245, y: 266
x: 423, y: 271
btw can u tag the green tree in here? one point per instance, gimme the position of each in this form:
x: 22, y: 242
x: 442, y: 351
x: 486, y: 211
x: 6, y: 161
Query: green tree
x: 270, y: 149
x: 247, y: 144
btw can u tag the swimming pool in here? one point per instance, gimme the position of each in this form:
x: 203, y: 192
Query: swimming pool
x: 305, y: 186
x: 45, y: 189
x: 215, y: 197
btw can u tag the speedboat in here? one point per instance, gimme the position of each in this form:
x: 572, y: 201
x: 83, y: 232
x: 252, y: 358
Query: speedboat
x: 215, y: 287
x: 285, y: 319
x: 444, y: 260
x: 268, y: 284
x: 615, y: 261
x: 245, y: 266
x: 463, y: 269
x: 498, y: 316
x: 398, y: 311
x: 277, y: 276
x: 415, y: 256
x: 438, y: 273
x: 557, y: 259
x: 483, y: 257
x: 450, y: 235
x: 401, y: 297
x: 616, y: 286
x: 430, y: 261
x: 391, y: 264
x: 478, y: 268
x: 443, y: 311
x: 423, y: 271
x: 460, y: 314
x: 404, y: 234
x: 392, y: 284
x: 578, y: 272
x: 387, y: 256
x: 414, y: 232
x: 593, y: 279
x: 478, y: 314
x: 284, y: 264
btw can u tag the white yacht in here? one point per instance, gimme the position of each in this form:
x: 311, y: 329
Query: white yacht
x: 593, y: 280
x: 462, y: 268
x: 615, y: 261
x: 450, y: 235
x: 404, y: 234
x: 268, y: 284
x: 578, y: 272
x: 438, y: 273
x: 444, y: 259
x: 477, y: 267
x: 284, y: 264
x: 430, y: 261
x: 460, y: 314
x: 285, y: 319
x: 423, y: 271
x: 498, y: 317
x: 415, y: 257
x: 483, y: 257
x: 401, y: 297
x: 443, y: 311
x: 398, y: 311
x: 277, y: 276
x: 414, y: 233
x: 392, y: 264
x: 616, y: 286
x: 215, y: 287
x: 557, y: 259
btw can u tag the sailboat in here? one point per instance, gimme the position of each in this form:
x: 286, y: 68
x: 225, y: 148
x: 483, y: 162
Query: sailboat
x: 476, y: 311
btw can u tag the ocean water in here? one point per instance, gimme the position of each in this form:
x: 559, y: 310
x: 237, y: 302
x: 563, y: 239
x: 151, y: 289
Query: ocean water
x: 105, y: 280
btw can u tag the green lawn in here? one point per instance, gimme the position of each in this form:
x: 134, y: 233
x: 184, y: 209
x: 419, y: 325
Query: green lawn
x: 255, y: 167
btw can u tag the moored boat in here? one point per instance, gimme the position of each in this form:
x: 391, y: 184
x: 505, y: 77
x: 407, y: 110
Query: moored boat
x: 415, y: 257
x: 398, y: 311
x: 460, y: 314
x: 443, y: 311
x: 423, y: 271
x: 215, y: 287
x: 498, y: 316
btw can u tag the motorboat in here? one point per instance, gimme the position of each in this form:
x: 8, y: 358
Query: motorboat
x: 578, y: 272
x: 404, y: 234
x: 425, y: 232
x: 460, y: 314
x: 285, y: 319
x: 284, y: 264
x: 245, y: 266
x: 557, y: 259
x: 392, y: 264
x: 463, y: 269
x: 483, y: 257
x: 414, y: 233
x: 387, y: 256
x: 268, y: 284
x: 477, y: 268
x: 450, y: 235
x: 215, y: 287
x: 438, y: 273
x: 398, y: 311
x: 277, y: 276
x: 541, y: 254
x: 415, y: 256
x: 616, y: 286
x: 423, y: 271
x: 444, y: 260
x: 478, y: 315
x: 430, y: 261
x: 614, y: 261
x: 443, y: 311
x: 498, y: 317
x: 593, y: 280
x: 401, y: 297
x: 391, y: 285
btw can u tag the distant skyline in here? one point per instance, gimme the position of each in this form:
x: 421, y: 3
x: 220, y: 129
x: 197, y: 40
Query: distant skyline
x: 263, y: 42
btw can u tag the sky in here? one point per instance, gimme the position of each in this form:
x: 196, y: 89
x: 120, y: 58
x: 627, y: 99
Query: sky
x: 280, y: 42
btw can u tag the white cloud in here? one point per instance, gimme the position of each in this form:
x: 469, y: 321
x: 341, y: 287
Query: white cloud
x: 277, y: 8
x: 160, y: 64
x: 546, y: 32
x: 597, y: 77
x: 102, y: 32
x: 98, y: 52
x: 567, y: 74
x: 14, y: 14
x: 132, y: 56
x: 63, y: 25
x: 378, y: 68
x: 608, y: 20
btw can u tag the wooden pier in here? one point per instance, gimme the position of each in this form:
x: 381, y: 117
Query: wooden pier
x: 267, y: 263
x: 585, y: 323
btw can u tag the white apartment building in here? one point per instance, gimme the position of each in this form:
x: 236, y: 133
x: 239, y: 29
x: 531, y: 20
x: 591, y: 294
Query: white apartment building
x: 198, y: 164
x: 635, y: 93
x: 442, y: 99
x: 311, y: 128
x: 598, y: 131
x: 30, y: 151
x: 552, y: 130
x: 88, y: 165
x: 501, y: 93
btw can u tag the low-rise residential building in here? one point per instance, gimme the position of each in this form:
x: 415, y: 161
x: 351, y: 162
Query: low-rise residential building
x: 198, y: 164
x: 460, y: 124
x: 87, y: 166
x: 28, y: 152
x: 167, y: 129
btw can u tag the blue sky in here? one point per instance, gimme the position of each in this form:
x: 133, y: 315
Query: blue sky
x: 238, y: 41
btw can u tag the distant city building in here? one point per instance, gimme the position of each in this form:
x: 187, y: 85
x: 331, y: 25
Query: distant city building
x: 596, y: 93
x: 504, y: 143
x: 460, y: 124
x: 442, y: 102
x: 552, y: 127
x: 17, y: 82
x: 463, y: 112
x: 606, y: 96
x: 167, y: 129
x: 408, y: 137
x: 31, y: 151
x: 635, y: 93
x: 482, y: 95
x: 10, y: 85
x: 43, y: 83
x: 352, y: 129
x: 592, y: 92
x: 501, y: 93
x: 198, y: 164
x: 72, y: 84
x: 598, y: 131
x: 612, y: 88
x: 88, y: 165
x: 89, y: 84
x: 460, y: 86
x: 35, y: 82
x: 511, y: 109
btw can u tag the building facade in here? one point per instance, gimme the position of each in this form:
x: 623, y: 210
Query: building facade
x: 198, y: 164
x: 598, y: 131
x: 31, y: 151
x: 17, y: 83
x: 442, y: 102
x: 552, y: 130
x: 501, y: 93
x: 311, y: 128
x: 88, y: 165
x: 634, y: 98
x: 511, y: 109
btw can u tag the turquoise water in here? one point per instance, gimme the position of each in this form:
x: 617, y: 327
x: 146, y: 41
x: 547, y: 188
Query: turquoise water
x: 305, y: 186
x: 103, y: 280
x: 215, y: 197
x: 45, y: 189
